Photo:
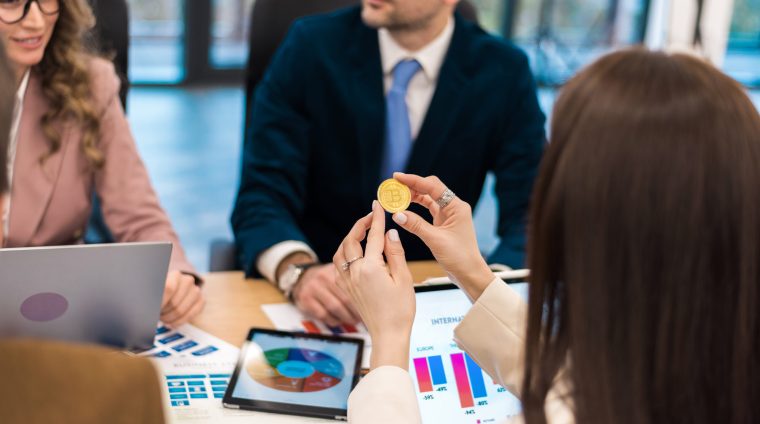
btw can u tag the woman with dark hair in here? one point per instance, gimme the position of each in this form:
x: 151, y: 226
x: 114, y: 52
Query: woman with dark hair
x: 70, y: 139
x: 644, y: 252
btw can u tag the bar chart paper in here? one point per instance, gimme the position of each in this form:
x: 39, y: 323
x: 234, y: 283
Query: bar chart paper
x: 451, y: 387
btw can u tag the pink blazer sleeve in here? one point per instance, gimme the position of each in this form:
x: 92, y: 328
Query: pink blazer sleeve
x: 130, y: 206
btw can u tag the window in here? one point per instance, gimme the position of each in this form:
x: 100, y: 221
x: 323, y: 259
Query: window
x: 229, y: 33
x: 743, y: 55
x: 157, y: 33
x: 491, y: 14
x: 563, y: 36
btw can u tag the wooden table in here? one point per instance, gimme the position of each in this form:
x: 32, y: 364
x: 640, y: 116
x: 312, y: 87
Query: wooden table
x: 233, y: 303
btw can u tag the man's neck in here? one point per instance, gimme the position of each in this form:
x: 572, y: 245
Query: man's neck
x: 414, y: 39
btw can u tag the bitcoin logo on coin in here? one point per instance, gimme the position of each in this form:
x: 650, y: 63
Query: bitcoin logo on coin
x: 393, y: 196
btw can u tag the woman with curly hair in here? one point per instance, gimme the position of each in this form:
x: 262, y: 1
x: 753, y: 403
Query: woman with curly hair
x: 69, y: 139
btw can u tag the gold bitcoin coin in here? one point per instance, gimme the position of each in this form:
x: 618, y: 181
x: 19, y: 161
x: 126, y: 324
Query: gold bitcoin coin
x: 393, y: 196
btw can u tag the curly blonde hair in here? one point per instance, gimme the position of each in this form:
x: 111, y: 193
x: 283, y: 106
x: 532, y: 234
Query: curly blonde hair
x: 66, y: 80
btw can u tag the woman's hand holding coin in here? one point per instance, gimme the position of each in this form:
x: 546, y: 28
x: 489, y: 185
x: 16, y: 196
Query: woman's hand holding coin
x: 382, y: 294
x: 451, y: 237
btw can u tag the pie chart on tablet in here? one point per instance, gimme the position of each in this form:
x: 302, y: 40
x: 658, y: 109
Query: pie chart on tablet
x: 296, y: 370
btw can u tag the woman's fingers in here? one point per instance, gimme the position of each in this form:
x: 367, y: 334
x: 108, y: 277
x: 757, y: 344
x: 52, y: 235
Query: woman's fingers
x: 427, y: 202
x: 376, y: 237
x: 431, y: 186
x: 394, y: 254
x: 351, y: 247
x: 414, y: 223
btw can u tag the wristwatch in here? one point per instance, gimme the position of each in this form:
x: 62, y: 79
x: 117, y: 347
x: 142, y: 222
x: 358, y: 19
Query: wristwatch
x: 291, y: 276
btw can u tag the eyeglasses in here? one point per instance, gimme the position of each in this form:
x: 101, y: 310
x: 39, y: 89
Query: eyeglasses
x: 14, y: 11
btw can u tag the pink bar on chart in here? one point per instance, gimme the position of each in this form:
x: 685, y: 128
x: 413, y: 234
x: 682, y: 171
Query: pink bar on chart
x: 463, y: 382
x: 423, y: 375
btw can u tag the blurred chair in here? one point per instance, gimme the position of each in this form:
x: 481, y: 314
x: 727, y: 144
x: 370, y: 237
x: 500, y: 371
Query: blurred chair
x: 111, y: 38
x: 52, y: 382
x: 270, y: 21
x: 111, y: 34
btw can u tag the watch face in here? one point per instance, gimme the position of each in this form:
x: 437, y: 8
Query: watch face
x: 291, y: 276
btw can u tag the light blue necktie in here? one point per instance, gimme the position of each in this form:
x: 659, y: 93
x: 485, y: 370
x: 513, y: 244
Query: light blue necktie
x: 398, y: 132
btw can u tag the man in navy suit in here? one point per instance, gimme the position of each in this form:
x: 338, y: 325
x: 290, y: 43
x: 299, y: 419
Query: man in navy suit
x: 350, y: 97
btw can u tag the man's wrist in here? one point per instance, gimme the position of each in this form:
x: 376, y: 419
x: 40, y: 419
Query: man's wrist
x: 296, y: 258
x: 292, y: 276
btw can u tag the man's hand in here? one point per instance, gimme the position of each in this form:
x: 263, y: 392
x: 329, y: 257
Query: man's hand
x: 183, y: 300
x: 318, y: 295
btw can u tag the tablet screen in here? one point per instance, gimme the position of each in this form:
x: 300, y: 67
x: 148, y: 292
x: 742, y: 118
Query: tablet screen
x: 296, y: 369
x: 450, y: 386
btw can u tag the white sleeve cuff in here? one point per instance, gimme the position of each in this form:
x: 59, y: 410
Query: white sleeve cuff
x: 385, y: 395
x: 270, y: 259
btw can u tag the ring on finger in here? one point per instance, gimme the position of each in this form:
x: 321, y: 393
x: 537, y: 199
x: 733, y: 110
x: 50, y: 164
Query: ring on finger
x: 348, y: 263
x: 445, y: 198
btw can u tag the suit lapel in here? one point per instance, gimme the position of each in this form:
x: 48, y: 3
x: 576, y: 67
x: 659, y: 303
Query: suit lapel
x: 369, y: 106
x: 33, y: 183
x: 442, y: 113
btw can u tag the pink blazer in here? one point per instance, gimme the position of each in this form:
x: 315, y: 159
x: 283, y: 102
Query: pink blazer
x: 51, y: 203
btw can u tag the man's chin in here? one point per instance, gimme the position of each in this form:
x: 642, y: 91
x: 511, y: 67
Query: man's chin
x: 373, y: 19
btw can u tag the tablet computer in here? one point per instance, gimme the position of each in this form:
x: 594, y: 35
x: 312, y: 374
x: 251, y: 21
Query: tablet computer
x: 450, y: 385
x: 295, y: 373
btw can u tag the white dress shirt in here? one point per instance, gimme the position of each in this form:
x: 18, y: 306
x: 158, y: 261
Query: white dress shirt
x: 18, y: 109
x: 418, y: 97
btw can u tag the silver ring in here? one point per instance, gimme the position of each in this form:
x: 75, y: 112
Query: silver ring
x: 445, y: 198
x: 348, y: 263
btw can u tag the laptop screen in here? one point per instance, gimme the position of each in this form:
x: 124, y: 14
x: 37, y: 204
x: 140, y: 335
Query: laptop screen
x: 451, y: 387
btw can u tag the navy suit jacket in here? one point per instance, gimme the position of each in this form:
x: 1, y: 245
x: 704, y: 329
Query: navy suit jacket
x: 311, y: 160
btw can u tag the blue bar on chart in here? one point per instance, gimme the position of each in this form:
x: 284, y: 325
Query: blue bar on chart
x: 476, y: 378
x: 436, y: 369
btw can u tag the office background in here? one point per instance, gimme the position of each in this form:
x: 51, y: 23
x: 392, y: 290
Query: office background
x: 187, y: 67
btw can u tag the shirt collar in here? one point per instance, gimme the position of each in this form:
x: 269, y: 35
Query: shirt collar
x: 22, y: 87
x: 430, y: 57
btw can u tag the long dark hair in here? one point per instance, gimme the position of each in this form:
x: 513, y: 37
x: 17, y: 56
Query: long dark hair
x: 7, y: 96
x: 645, y: 247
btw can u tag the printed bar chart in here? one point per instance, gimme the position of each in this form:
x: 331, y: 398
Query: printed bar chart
x: 469, y: 377
x: 343, y: 329
x: 463, y: 383
x: 476, y: 378
x: 423, y: 375
x: 310, y: 327
x: 436, y: 370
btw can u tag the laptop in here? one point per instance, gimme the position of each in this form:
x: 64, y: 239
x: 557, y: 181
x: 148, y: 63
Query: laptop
x: 107, y: 294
